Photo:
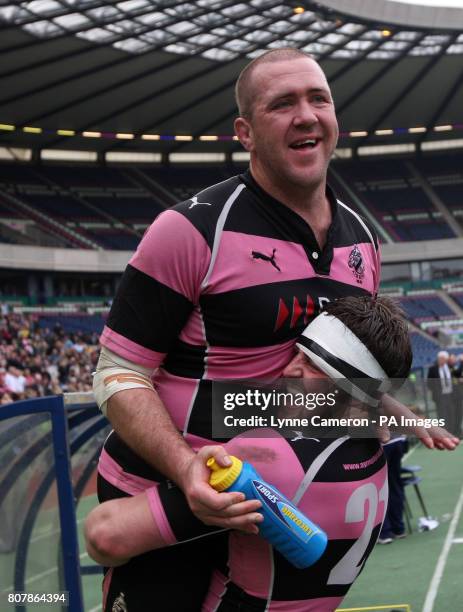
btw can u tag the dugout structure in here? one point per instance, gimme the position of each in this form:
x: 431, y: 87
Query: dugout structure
x: 49, y: 449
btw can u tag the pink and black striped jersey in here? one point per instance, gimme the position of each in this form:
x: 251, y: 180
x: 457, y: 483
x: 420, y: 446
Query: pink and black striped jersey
x: 342, y: 486
x: 220, y: 287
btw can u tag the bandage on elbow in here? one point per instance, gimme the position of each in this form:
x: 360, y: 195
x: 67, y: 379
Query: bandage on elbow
x: 114, y: 374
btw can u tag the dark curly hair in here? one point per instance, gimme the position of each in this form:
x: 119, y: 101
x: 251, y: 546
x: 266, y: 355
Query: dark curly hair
x: 379, y: 323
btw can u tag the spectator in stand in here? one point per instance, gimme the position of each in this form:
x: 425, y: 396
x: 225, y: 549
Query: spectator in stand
x: 6, y: 398
x: 441, y: 386
x: 36, y: 362
x: 456, y: 369
x: 15, y: 382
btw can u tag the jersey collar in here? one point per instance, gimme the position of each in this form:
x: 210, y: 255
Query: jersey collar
x: 320, y: 261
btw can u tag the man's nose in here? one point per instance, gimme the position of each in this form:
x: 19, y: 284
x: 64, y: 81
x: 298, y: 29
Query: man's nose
x: 305, y: 114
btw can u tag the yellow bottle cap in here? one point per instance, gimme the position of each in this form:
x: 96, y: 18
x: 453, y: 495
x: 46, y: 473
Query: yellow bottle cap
x: 221, y: 478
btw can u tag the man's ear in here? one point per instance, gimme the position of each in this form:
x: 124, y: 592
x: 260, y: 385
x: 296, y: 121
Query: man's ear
x: 243, y: 130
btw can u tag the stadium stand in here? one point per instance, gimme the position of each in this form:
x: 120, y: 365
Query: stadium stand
x: 110, y: 207
x: 392, y: 193
x: 445, y: 175
x: 458, y: 297
x: 426, y: 308
x: 46, y: 356
x: 91, y: 207
x: 149, y: 83
x: 183, y: 182
x: 424, y: 350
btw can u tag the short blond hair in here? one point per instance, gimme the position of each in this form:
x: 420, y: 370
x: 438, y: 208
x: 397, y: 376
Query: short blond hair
x: 243, y: 89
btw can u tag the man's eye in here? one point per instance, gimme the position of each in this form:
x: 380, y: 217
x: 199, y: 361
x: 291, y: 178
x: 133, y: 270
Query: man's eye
x: 281, y: 104
x: 319, y: 99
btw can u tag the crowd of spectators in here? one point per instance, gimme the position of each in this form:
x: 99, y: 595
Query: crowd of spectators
x: 36, y: 362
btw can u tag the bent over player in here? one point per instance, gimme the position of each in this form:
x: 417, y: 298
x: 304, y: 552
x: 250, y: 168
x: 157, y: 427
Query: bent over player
x: 340, y: 483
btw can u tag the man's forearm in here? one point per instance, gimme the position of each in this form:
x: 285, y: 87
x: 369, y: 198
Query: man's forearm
x: 392, y: 407
x: 142, y: 421
x: 432, y: 437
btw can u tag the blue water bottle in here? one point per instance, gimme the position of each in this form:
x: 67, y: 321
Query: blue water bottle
x: 284, y: 526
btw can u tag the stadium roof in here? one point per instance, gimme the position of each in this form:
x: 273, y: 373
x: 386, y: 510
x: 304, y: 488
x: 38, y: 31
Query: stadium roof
x: 100, y: 75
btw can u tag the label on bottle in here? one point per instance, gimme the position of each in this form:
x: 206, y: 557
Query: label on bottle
x: 286, y: 513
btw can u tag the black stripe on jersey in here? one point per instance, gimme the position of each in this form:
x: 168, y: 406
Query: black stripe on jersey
x: 187, y: 360
x: 182, y: 521
x: 235, y: 599
x: 131, y: 463
x: 200, y: 420
x: 258, y: 214
x: 252, y: 316
x: 141, y: 298
x: 293, y: 584
x: 356, y: 459
x: 353, y: 454
x: 204, y: 211
x: 345, y: 229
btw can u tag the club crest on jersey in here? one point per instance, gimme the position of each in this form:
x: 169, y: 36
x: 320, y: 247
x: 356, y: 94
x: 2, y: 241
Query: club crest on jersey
x: 356, y: 264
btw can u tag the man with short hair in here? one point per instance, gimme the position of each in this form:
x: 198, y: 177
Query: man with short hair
x: 220, y: 287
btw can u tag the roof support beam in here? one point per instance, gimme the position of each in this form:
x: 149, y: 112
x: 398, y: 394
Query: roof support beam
x: 442, y: 106
x: 150, y: 72
x: 398, y: 99
x: 435, y: 199
x: 107, y: 65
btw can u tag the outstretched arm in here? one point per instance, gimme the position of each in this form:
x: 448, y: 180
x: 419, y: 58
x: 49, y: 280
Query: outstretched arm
x: 432, y: 437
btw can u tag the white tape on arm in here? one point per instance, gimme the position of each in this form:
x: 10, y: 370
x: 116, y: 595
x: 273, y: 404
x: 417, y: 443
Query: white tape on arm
x: 114, y: 374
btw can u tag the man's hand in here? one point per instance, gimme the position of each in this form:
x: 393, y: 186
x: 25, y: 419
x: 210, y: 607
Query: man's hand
x: 436, y: 437
x: 226, y: 510
x: 431, y: 437
x: 141, y: 420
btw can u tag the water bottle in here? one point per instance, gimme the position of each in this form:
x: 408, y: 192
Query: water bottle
x: 299, y: 540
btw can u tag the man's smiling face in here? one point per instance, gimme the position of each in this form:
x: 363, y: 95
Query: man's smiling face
x: 292, y: 129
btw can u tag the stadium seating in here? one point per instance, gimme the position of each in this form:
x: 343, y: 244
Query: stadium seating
x: 396, y: 198
x: 445, y: 175
x: 424, y: 350
x: 73, y: 323
x: 458, y: 298
x: 426, y: 308
x: 185, y: 181
x: 83, y: 195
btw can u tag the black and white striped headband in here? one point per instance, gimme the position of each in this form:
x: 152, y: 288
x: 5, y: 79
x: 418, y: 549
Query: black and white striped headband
x: 337, y: 352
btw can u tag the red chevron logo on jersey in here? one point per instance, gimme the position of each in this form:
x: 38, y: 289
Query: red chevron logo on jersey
x: 296, y: 310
